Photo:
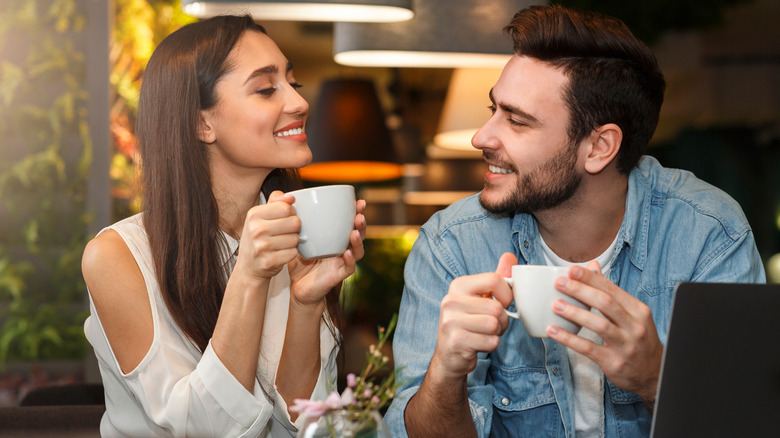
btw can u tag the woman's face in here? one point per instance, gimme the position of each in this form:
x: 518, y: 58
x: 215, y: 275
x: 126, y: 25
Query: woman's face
x: 257, y: 123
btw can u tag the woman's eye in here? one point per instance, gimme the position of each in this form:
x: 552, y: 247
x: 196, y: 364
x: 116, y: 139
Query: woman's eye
x: 492, y: 109
x: 267, y: 91
x: 295, y: 85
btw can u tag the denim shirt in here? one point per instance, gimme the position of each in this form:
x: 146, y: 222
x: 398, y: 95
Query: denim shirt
x: 676, y: 228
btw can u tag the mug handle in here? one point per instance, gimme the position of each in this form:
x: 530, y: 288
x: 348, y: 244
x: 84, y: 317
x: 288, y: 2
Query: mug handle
x: 512, y: 314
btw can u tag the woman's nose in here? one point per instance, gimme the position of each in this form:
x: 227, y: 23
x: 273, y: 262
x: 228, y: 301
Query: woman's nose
x: 296, y: 104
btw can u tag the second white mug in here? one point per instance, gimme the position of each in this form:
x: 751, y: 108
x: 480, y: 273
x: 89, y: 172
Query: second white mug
x: 534, y: 291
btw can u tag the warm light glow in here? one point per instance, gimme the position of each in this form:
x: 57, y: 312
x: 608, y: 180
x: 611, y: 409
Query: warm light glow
x: 351, y: 171
x: 302, y: 11
x: 434, y: 197
x: 398, y: 58
x: 777, y: 221
x: 773, y: 269
x: 456, y: 139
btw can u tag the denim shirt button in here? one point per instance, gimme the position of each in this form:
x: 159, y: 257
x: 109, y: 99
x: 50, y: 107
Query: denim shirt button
x: 556, y: 371
x: 505, y: 401
x: 525, y: 244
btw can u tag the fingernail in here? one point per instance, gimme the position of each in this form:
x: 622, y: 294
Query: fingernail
x: 562, y: 281
x: 552, y: 330
x: 576, y: 272
x: 560, y: 305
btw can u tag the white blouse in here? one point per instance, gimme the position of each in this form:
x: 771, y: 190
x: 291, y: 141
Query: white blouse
x: 176, y: 390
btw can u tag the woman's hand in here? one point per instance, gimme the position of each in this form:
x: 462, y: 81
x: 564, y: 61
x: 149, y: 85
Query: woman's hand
x: 270, y: 237
x: 312, y: 279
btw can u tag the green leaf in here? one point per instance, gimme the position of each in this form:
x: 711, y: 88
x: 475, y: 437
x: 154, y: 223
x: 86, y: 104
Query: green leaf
x: 11, y: 76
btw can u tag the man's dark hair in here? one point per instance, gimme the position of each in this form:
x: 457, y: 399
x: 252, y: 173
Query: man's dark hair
x: 613, y: 77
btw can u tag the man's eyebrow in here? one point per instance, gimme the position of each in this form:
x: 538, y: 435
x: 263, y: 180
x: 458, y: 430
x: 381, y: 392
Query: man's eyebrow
x: 513, y: 110
x: 267, y: 70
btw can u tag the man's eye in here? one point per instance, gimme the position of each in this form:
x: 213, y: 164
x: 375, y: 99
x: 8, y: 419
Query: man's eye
x: 492, y: 109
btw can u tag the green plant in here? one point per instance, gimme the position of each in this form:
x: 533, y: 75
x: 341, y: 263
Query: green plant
x: 139, y: 26
x: 45, y: 158
x: 365, y: 394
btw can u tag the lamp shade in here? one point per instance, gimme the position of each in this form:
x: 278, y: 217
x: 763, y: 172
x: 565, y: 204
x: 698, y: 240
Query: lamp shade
x: 348, y: 136
x: 464, y: 110
x: 305, y: 10
x: 443, y: 33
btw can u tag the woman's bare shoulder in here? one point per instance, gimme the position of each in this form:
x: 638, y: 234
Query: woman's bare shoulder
x: 118, y: 291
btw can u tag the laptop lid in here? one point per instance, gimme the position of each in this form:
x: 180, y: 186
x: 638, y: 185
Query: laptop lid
x: 720, y: 375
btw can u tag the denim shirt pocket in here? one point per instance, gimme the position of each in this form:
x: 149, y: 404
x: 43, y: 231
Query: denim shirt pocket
x: 621, y: 397
x: 521, y: 388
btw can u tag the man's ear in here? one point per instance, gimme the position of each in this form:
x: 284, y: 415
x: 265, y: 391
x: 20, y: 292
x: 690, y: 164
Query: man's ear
x: 206, y: 132
x: 605, y: 143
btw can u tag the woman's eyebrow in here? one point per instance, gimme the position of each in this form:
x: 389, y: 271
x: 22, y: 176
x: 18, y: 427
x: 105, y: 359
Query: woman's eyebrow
x: 268, y: 69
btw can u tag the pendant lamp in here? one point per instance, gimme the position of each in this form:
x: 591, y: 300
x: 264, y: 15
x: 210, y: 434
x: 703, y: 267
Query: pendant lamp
x: 378, y: 11
x: 348, y: 136
x: 465, y: 107
x: 443, y: 33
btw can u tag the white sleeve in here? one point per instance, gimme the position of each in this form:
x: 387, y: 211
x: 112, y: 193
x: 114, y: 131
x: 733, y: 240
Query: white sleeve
x: 202, y: 399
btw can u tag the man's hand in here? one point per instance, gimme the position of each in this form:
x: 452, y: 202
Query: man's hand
x: 632, y: 352
x: 471, y: 321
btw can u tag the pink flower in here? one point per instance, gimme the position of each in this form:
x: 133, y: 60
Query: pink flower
x: 308, y: 408
x: 347, y: 397
x: 351, y: 381
x: 333, y: 401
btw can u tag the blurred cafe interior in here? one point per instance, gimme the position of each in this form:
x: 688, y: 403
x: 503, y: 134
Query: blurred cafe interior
x: 395, y: 99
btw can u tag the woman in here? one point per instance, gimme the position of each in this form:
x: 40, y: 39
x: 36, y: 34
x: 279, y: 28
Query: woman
x: 194, y: 337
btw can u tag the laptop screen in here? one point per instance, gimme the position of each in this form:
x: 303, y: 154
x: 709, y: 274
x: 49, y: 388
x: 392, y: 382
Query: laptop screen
x: 720, y: 375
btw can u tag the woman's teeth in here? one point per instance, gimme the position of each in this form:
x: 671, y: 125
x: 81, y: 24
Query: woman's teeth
x: 496, y: 169
x: 294, y: 131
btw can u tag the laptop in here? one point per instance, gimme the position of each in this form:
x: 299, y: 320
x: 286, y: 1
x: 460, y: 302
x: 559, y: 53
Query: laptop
x: 720, y: 375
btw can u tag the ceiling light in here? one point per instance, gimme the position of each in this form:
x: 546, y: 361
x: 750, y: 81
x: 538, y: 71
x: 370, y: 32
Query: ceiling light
x: 378, y: 11
x: 348, y: 136
x: 443, y: 33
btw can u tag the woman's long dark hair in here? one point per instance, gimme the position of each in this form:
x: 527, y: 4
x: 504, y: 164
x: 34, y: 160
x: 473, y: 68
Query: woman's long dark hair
x: 181, y: 215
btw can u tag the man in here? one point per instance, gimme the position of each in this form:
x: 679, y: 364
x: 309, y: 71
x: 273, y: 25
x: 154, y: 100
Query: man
x: 567, y: 185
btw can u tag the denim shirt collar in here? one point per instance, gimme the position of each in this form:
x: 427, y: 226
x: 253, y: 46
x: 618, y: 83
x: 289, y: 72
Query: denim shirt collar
x: 632, y: 235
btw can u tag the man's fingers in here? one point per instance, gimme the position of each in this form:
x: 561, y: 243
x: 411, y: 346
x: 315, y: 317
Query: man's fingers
x: 484, y: 286
x: 505, y: 264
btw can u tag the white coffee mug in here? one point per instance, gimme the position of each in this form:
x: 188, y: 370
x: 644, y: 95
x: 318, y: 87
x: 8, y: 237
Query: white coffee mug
x: 534, y: 291
x: 327, y: 216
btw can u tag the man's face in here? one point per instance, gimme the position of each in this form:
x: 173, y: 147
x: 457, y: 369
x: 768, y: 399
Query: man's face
x: 532, y: 165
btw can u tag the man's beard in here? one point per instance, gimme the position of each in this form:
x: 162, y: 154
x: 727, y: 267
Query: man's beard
x: 545, y: 187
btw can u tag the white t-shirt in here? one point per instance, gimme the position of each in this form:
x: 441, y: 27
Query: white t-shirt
x: 176, y: 390
x: 587, y: 377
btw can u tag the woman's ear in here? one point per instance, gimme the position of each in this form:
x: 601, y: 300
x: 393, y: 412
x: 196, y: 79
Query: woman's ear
x: 605, y: 144
x: 206, y: 132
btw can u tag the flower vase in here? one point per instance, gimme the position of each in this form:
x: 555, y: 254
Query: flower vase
x: 345, y: 424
